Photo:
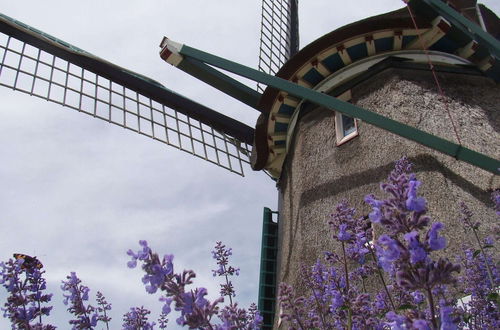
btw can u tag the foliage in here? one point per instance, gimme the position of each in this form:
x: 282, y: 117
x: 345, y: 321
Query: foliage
x: 25, y: 285
x: 25, y: 304
x: 418, y: 288
x: 195, y: 310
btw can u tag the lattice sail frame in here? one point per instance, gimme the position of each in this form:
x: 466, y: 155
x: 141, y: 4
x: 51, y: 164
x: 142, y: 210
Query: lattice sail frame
x: 34, y: 71
x: 279, y: 39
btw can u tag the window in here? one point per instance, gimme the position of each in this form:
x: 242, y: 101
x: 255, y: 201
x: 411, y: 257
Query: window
x: 346, y: 128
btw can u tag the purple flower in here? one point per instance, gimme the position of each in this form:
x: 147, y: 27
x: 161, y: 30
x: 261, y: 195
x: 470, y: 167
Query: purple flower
x: 195, y: 310
x: 402, y: 211
x: 415, y: 203
x: 132, y: 263
x: 376, y: 213
x: 436, y: 242
x: 163, y: 321
x: 447, y: 321
x: 75, y: 294
x: 254, y: 319
x: 388, y: 251
x: 194, y: 300
x: 137, y: 318
x: 396, y: 322
x: 418, y: 297
x: 380, y: 302
x: 103, y: 307
x: 353, y: 232
x: 157, y: 273
x: 142, y: 254
x: 221, y: 254
x: 200, y: 301
x: 337, y: 300
x: 417, y: 251
x: 421, y: 325
x: 401, y: 253
x: 478, y: 285
x: 343, y: 234
x: 166, y: 307
x: 25, y: 284
x: 233, y: 317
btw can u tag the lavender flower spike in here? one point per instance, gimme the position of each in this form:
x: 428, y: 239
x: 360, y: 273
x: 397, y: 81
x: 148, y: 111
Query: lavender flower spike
x: 77, y: 294
x: 376, y: 213
x: 157, y: 272
x: 436, y: 242
x: 25, y: 284
x: 416, y: 249
x: 388, y: 251
x: 415, y: 203
x: 137, y: 318
x: 222, y: 254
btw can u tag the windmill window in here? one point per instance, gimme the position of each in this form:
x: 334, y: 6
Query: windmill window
x: 346, y: 128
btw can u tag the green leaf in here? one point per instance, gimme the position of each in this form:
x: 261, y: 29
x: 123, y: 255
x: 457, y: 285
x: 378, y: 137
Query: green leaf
x: 406, y: 306
x: 493, y: 296
x: 476, y: 253
x: 488, y: 246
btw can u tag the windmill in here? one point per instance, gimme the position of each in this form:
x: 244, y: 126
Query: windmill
x: 228, y: 149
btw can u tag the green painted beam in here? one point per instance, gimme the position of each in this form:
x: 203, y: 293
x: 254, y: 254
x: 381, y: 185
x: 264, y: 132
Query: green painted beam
x: 469, y: 28
x: 210, y: 75
x: 222, y: 82
x: 459, y: 152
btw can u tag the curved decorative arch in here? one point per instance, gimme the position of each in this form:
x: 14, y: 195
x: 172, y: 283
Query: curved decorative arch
x: 343, y: 54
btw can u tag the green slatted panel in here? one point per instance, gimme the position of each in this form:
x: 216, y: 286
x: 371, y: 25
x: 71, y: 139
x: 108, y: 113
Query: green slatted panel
x: 267, y: 280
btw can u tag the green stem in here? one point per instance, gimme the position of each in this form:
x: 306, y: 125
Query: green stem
x: 105, y: 317
x: 381, y: 276
x: 432, y: 308
x: 229, y: 295
x: 297, y: 317
x: 318, y: 306
x: 346, y: 270
x: 20, y: 288
x: 40, y: 312
x: 490, y: 275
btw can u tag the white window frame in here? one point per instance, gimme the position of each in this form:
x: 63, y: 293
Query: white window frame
x: 340, y: 135
x: 339, y: 130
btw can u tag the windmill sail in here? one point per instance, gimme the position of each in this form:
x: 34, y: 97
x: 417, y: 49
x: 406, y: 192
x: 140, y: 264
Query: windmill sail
x: 41, y: 65
x: 279, y: 34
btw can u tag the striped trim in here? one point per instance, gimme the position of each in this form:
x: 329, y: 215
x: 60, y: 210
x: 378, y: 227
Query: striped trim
x: 332, y: 61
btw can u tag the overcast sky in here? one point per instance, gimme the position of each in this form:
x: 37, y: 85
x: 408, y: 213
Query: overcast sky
x: 78, y: 192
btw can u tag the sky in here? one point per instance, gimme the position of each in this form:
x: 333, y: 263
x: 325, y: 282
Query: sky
x: 78, y: 192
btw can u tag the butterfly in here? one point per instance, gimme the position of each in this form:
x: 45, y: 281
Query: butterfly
x: 29, y: 262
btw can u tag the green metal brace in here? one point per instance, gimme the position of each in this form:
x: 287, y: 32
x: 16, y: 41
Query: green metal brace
x: 212, y: 77
x: 175, y: 53
x: 468, y: 28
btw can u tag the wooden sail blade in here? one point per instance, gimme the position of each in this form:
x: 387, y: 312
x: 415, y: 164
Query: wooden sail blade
x: 279, y: 36
x: 40, y: 65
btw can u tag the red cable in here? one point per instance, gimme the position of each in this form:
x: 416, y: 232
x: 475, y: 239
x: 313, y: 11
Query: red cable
x: 424, y: 47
